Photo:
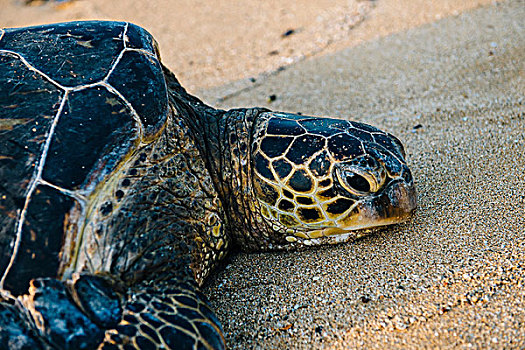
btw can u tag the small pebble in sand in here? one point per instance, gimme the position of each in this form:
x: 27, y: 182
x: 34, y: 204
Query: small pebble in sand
x: 288, y: 33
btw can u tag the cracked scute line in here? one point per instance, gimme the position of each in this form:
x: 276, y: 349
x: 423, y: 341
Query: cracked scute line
x: 37, y: 176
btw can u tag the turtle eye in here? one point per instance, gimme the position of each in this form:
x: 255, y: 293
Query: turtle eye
x: 357, y: 182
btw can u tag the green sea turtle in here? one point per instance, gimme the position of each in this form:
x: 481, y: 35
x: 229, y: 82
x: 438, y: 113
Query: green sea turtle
x: 120, y: 192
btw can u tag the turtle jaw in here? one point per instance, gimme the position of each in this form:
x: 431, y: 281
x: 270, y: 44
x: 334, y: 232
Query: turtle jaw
x: 395, y: 204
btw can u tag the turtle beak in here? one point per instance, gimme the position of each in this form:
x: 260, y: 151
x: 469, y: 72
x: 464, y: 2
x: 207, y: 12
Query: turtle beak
x: 396, y: 204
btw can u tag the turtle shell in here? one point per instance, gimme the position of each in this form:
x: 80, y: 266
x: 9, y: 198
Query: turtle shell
x: 75, y: 99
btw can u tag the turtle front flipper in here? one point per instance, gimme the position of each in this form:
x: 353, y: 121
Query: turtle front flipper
x: 60, y: 321
x: 88, y: 313
x: 48, y: 316
x: 172, y: 314
x: 15, y: 332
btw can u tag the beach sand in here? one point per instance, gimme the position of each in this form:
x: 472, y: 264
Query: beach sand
x: 209, y: 44
x: 452, y: 277
x: 446, y: 77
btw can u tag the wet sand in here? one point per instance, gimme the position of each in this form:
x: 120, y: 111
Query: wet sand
x: 446, y: 77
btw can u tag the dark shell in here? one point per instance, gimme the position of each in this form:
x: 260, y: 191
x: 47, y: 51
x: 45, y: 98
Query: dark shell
x: 75, y: 98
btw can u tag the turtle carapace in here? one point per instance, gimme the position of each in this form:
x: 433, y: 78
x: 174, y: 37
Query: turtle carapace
x: 120, y: 192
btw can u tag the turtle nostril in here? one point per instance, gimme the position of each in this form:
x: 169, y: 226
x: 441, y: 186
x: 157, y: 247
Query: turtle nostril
x: 358, y: 182
x: 408, y: 177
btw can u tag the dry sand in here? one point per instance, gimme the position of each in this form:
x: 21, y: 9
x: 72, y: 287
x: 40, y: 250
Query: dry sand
x: 453, y: 277
x: 206, y: 42
x: 213, y: 43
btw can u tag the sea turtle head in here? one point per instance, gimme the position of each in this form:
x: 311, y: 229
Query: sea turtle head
x: 320, y: 180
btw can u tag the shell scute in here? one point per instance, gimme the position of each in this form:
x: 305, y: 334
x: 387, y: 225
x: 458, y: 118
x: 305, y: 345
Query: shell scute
x: 71, y: 54
x: 139, y: 78
x: 42, y: 235
x: 28, y: 104
x: 138, y: 38
x: 95, y: 127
